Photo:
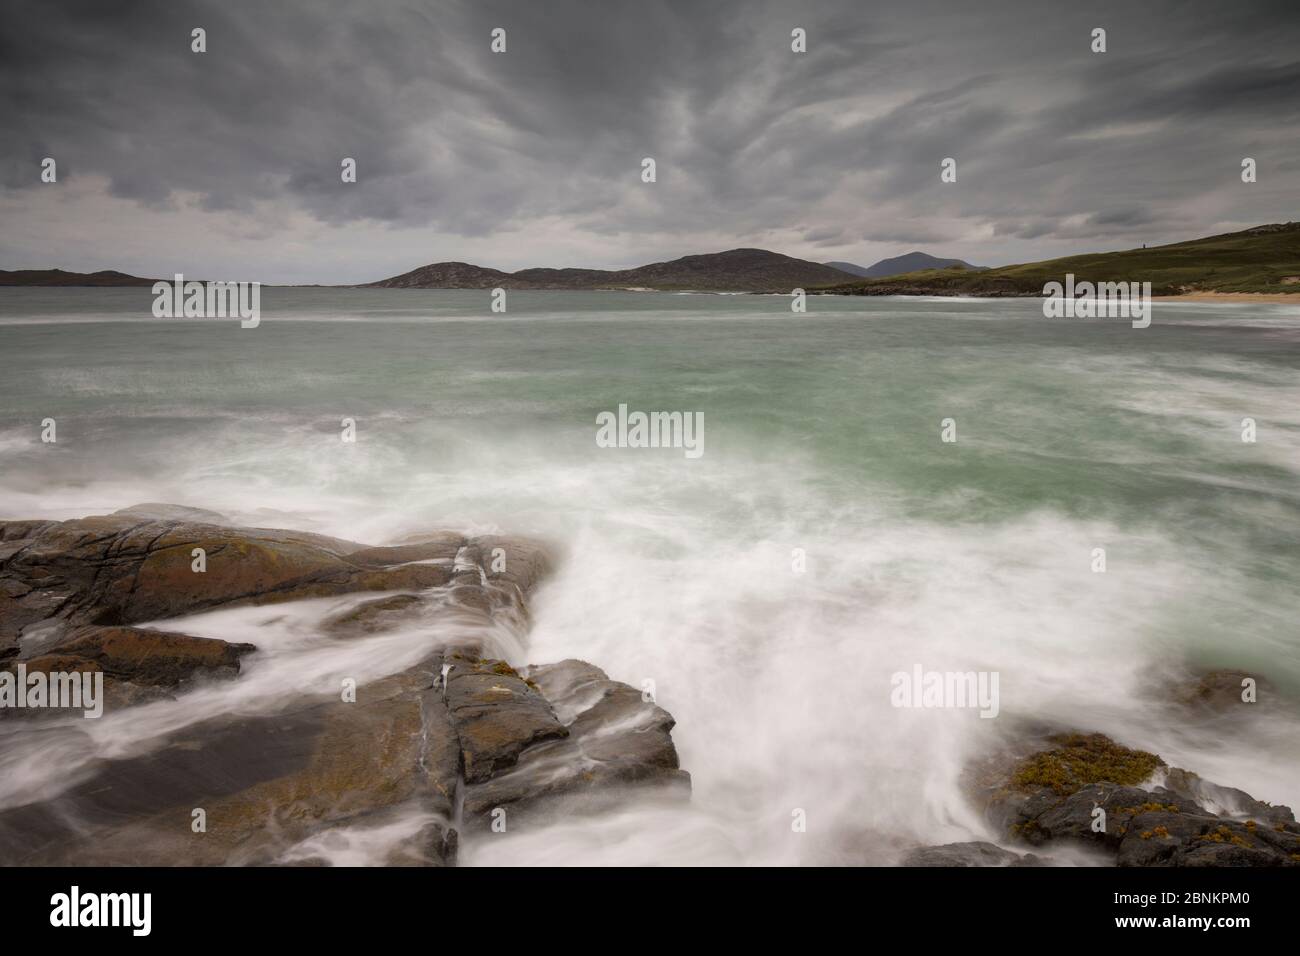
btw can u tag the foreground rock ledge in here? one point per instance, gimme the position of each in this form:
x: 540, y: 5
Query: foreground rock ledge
x: 453, y: 744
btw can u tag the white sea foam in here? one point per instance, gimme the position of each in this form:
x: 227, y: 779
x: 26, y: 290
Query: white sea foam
x: 779, y: 681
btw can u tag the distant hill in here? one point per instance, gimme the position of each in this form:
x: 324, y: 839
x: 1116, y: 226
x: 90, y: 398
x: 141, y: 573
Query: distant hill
x: 446, y: 275
x: 1264, y: 259
x: 737, y: 270
x: 37, y: 277
x: 911, y: 262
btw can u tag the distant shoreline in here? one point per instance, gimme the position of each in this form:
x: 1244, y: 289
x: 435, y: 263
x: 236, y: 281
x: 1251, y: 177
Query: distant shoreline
x: 1244, y: 298
x: 1263, y: 262
x: 1283, y: 298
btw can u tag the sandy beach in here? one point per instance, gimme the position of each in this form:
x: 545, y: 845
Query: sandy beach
x: 1288, y: 298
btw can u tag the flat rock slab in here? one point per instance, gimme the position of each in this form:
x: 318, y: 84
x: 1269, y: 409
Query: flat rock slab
x: 142, y: 655
x: 378, y: 614
x: 131, y: 567
x: 140, y: 665
x: 264, y: 783
x: 496, y: 715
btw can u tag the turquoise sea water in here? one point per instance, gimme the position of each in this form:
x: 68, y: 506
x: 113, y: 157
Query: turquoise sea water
x: 821, y: 433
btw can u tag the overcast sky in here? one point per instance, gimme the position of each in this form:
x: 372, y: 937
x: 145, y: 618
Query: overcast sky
x: 227, y: 164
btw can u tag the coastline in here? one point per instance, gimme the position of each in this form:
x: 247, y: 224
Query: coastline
x: 439, y: 744
x: 431, y: 737
x: 1278, y: 298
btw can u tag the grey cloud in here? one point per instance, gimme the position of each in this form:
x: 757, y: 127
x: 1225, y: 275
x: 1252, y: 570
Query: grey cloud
x: 1054, y: 144
x: 1135, y: 215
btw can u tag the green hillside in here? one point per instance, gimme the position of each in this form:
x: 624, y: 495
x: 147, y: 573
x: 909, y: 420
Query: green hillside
x: 1262, y: 259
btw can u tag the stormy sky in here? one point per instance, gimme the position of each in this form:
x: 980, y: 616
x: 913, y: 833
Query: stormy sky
x: 226, y: 164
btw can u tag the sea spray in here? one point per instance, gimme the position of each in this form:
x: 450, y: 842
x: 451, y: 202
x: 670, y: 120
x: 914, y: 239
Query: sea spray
x: 779, y: 681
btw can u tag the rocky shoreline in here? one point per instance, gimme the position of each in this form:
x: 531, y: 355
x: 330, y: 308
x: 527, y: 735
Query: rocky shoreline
x: 1118, y: 806
x: 465, y: 741
x: 462, y: 742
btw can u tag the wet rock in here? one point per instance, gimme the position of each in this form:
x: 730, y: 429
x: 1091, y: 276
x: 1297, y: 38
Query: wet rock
x: 1225, y: 801
x: 1176, y: 839
x: 436, y: 844
x: 266, y: 784
x: 272, y: 785
x: 496, y: 715
x: 969, y: 854
x: 142, y: 656
x: 472, y: 596
x: 379, y: 614
x: 438, y: 548
x: 421, y: 753
x: 1074, y: 817
x: 1050, y: 793
x: 120, y: 694
x: 133, y: 566
x: 1153, y: 815
x: 513, y: 560
x: 160, y: 511
x: 1076, y: 760
x: 139, y: 665
x: 1220, y: 854
x: 616, y: 741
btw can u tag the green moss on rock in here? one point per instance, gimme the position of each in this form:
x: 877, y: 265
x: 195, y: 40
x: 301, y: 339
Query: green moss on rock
x: 1149, y: 807
x: 1081, y: 759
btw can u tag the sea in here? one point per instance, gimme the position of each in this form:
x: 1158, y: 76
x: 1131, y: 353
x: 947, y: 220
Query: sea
x: 1094, y: 513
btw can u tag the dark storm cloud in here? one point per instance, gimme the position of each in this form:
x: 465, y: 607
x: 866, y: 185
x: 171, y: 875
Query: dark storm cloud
x: 1051, y: 140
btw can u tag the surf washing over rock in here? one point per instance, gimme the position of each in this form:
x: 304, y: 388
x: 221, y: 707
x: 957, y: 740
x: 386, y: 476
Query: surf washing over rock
x: 396, y: 721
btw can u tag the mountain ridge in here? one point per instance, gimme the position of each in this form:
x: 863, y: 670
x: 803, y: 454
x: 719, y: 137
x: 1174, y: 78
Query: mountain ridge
x: 734, y: 270
x: 1263, y: 260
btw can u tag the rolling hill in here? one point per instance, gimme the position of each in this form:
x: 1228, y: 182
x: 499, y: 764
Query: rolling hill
x: 911, y: 262
x: 57, y: 277
x: 737, y: 270
x: 1264, y: 259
